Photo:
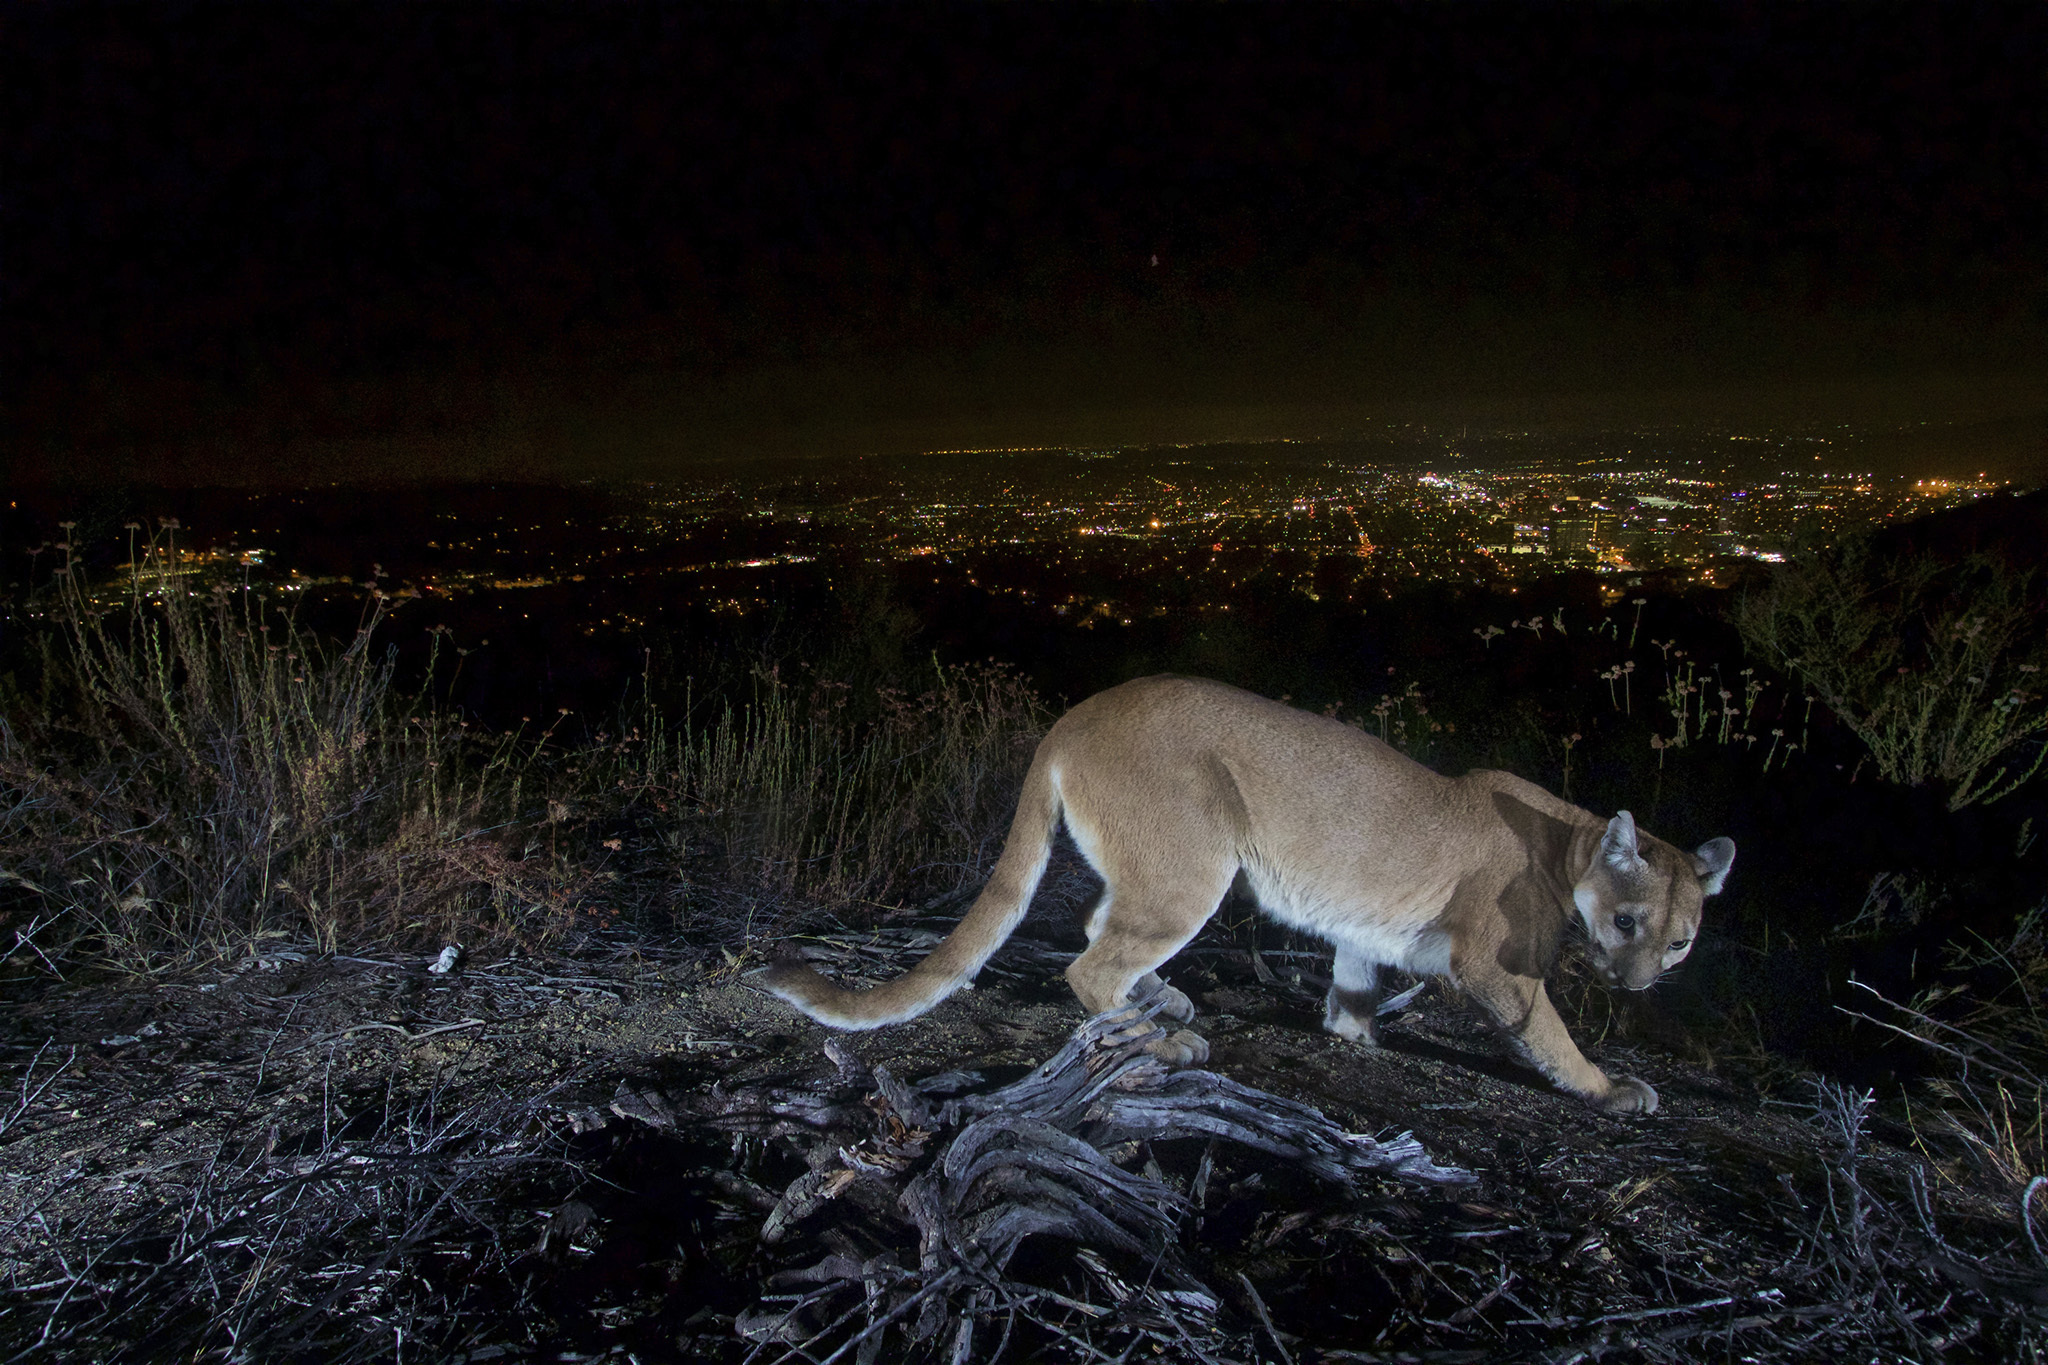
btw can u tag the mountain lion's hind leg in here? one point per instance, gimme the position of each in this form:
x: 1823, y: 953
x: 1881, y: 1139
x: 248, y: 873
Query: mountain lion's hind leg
x: 1145, y: 926
x: 1174, y: 1003
x: 1354, y: 997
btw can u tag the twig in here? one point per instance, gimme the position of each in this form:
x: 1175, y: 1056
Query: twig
x: 1397, y: 1002
x: 28, y: 1097
x: 410, y: 1035
x: 1265, y: 1318
x: 26, y: 938
x: 2039, y: 1182
x: 945, y: 1278
x: 2019, y: 1072
x: 1676, y: 1310
x: 1485, y: 1301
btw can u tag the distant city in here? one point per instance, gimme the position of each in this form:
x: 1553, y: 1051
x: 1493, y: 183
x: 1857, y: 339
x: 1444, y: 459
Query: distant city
x: 1102, y: 535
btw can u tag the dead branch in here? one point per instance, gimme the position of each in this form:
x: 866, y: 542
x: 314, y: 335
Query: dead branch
x: 977, y: 1174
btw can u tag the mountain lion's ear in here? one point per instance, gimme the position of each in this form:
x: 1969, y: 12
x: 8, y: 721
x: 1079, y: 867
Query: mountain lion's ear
x: 1712, y: 861
x: 1618, y: 845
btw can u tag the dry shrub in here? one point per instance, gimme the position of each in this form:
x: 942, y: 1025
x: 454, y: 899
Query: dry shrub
x: 807, y: 791
x: 1936, y: 667
x: 1993, y: 1028
x: 205, y: 771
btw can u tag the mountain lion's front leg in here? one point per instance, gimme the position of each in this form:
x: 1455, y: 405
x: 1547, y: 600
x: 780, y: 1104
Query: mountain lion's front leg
x: 1353, y: 1002
x: 1522, y: 1006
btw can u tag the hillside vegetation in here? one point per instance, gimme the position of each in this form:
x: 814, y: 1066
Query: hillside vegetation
x: 196, y: 785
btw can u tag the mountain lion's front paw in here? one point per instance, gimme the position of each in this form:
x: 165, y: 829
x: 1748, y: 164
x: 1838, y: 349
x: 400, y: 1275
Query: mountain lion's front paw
x: 1628, y: 1096
x: 1181, y: 1049
x: 1361, y: 1029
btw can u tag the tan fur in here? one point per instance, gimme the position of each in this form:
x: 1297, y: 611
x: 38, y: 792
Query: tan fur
x: 1170, y: 786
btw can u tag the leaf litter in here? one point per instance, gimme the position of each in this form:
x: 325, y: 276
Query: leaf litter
x: 630, y: 1154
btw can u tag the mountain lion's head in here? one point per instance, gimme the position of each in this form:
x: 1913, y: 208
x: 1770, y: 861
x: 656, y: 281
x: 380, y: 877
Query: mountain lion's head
x: 1641, y: 898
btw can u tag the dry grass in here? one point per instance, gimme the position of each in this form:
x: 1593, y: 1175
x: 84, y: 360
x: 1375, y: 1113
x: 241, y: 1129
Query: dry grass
x: 805, y: 791
x: 202, y: 773
x: 1989, y: 1112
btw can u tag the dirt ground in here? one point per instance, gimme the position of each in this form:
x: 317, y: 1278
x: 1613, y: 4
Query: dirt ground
x: 338, y: 1157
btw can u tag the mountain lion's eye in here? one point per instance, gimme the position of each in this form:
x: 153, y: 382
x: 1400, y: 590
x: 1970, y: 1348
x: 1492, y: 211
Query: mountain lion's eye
x: 1625, y: 923
x: 1678, y: 943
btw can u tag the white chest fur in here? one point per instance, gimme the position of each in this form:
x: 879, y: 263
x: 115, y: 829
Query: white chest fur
x: 1393, y: 929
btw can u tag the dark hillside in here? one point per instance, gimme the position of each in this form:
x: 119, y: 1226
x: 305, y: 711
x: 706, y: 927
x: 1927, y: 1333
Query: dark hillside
x: 249, y: 1118
x: 2014, y: 527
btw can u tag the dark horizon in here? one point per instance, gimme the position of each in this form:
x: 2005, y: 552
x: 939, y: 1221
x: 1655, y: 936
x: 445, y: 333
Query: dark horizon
x: 391, y: 241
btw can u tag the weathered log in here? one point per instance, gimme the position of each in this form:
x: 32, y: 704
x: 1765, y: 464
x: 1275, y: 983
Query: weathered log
x: 979, y: 1173
x: 1203, y: 1104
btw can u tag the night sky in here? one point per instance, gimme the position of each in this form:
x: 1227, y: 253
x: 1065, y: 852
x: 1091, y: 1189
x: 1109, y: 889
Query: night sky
x: 293, y: 242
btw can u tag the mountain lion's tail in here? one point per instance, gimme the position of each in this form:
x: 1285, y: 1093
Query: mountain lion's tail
x: 988, y: 924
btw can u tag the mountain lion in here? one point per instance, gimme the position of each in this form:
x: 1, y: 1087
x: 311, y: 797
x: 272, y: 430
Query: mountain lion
x: 1171, y: 785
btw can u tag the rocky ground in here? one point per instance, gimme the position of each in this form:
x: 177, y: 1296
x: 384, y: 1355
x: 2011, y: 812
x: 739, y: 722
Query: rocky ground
x: 348, y: 1157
